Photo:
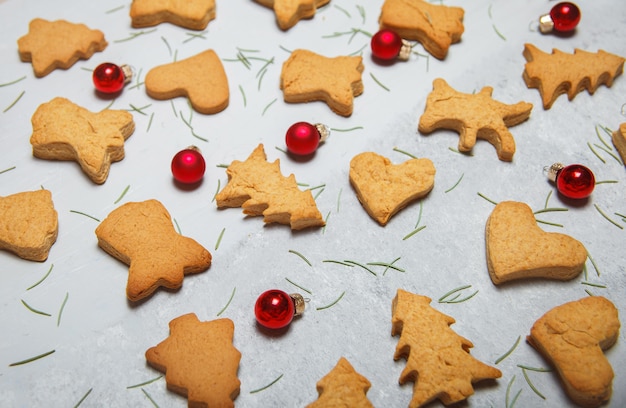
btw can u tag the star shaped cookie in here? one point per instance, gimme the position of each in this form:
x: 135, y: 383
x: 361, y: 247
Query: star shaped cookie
x: 435, y: 26
x: 289, y: 12
x: 141, y: 235
x: 199, y: 361
x: 200, y: 78
x: 63, y: 130
x: 58, y: 44
x: 192, y: 14
x: 473, y: 116
x: 307, y: 76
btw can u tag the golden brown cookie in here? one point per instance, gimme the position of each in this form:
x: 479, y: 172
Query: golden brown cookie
x: 58, y: 44
x: 200, y: 78
x: 289, y: 12
x: 517, y: 248
x: 342, y: 387
x: 192, y: 14
x: 573, y: 337
x: 199, y: 361
x: 141, y: 235
x: 307, y: 76
x: 63, y: 130
x: 438, y: 361
x: 259, y: 188
x: 435, y: 26
x: 384, y: 188
x: 473, y: 116
x: 558, y: 73
x: 28, y: 224
x: 619, y: 141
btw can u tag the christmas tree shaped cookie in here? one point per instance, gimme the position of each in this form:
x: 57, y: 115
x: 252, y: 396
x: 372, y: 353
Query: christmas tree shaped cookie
x: 58, y: 44
x: 199, y: 361
x: 141, y: 235
x: 558, y: 73
x: 342, y: 387
x: 473, y: 116
x: 435, y: 26
x: 63, y: 130
x: 438, y: 359
x: 259, y: 188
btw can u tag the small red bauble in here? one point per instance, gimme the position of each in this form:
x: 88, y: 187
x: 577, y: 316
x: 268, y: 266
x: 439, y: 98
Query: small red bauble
x: 110, y: 78
x: 387, y: 45
x: 275, y: 309
x: 563, y: 17
x: 188, y: 166
x: 303, y: 138
x: 574, y: 181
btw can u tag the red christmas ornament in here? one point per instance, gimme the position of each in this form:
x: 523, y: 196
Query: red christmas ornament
x: 188, y: 166
x: 303, y: 138
x: 563, y: 17
x: 387, y: 45
x: 110, y: 78
x: 574, y: 181
x: 275, y: 309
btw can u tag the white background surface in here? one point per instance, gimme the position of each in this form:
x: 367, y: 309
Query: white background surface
x: 101, y: 339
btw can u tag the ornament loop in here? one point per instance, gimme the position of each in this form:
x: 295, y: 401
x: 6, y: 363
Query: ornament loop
x: 405, y: 50
x: 546, y: 24
x: 127, y: 70
x: 553, y: 171
x: 298, y: 302
x: 323, y: 130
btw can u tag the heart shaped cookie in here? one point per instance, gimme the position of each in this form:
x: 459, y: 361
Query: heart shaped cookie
x: 517, y: 248
x: 384, y: 188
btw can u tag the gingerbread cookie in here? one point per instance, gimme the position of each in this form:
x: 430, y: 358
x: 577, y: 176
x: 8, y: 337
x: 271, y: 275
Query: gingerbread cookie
x: 63, y: 130
x: 438, y: 360
x: 573, y: 337
x: 307, y: 76
x: 199, y: 361
x: 200, y: 78
x: 384, y: 188
x: 28, y: 224
x: 473, y: 116
x: 289, y: 12
x: 141, y: 235
x: 259, y: 188
x: 517, y: 248
x: 435, y: 26
x: 191, y: 14
x: 619, y: 141
x: 558, y: 73
x: 58, y: 44
x: 342, y: 387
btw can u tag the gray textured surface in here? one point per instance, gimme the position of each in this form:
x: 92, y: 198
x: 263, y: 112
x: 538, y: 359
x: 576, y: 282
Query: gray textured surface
x: 101, y: 339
